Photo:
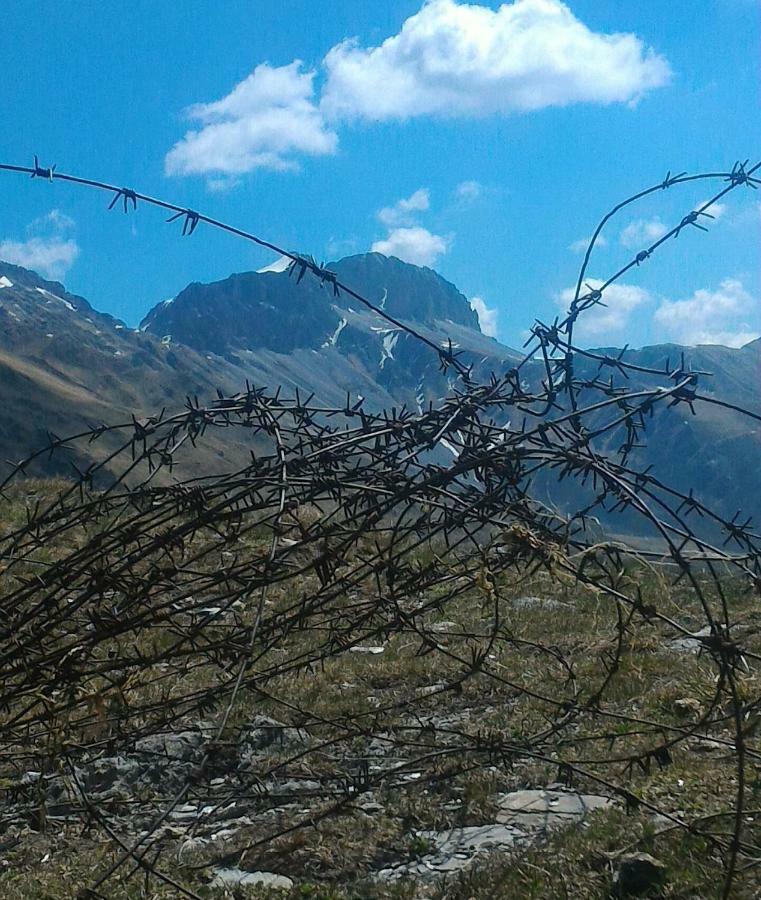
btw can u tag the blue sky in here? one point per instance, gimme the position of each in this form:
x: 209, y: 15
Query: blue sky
x: 483, y: 139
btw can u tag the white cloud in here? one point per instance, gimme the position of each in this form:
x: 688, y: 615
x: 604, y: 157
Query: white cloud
x: 487, y: 316
x: 710, y: 317
x: 406, y: 239
x: 641, y: 233
x: 55, y: 220
x: 413, y: 244
x: 462, y: 59
x: 716, y: 209
x: 581, y: 245
x: 223, y: 184
x: 266, y: 119
x: 51, y: 257
x: 336, y: 247
x: 468, y: 191
x: 47, y: 250
x: 449, y: 59
x: 403, y: 212
x: 605, y: 324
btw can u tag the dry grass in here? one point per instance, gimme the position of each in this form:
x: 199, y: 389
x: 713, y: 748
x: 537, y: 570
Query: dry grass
x: 420, y: 702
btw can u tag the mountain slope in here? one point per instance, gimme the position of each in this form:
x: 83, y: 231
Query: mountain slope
x: 65, y: 367
x: 248, y: 317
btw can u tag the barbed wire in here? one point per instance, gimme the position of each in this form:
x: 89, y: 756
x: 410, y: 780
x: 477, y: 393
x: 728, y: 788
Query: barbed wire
x: 137, y: 606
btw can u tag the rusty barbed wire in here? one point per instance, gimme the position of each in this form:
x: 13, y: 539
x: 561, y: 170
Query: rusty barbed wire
x: 140, y: 606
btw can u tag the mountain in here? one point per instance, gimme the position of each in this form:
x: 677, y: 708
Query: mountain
x: 254, y: 317
x: 714, y: 451
x: 63, y: 365
x: 247, y: 318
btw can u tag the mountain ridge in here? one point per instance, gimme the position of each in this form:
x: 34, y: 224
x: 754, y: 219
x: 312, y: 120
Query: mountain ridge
x: 64, y: 365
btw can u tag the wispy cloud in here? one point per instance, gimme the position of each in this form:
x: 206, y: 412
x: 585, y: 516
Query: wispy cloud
x: 711, y: 316
x: 468, y: 191
x: 717, y: 209
x: 55, y: 221
x: 49, y: 249
x: 642, y: 232
x: 487, y: 316
x: 581, y: 245
x: 413, y: 244
x: 264, y: 122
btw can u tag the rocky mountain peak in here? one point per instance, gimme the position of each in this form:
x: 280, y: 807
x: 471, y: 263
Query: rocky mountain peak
x: 269, y: 310
x: 406, y: 291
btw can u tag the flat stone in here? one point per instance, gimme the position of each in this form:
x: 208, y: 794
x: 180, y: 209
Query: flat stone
x: 445, y: 626
x: 181, y: 746
x: 544, y: 809
x: 454, y: 850
x: 227, y: 877
x: 264, y: 733
x: 691, y: 644
x: 380, y: 746
x: 429, y: 689
x: 523, y: 817
x: 537, y: 603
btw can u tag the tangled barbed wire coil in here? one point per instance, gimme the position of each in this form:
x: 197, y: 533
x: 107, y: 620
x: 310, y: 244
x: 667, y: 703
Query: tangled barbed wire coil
x: 139, y: 609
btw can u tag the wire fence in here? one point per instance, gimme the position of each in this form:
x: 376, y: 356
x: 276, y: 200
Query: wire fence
x: 138, y: 610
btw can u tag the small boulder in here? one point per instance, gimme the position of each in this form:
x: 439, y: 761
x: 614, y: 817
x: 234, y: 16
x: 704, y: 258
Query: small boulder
x: 183, y: 745
x: 265, y: 734
x: 637, y: 874
x: 234, y: 877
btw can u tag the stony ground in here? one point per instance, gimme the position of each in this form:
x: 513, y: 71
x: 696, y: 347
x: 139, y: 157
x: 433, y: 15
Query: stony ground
x: 400, y: 805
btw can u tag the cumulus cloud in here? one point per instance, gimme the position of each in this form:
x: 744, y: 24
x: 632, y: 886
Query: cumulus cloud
x: 710, y: 316
x: 606, y: 324
x: 47, y: 250
x: 581, y: 245
x: 487, y: 316
x: 642, y: 232
x: 413, y: 244
x: 406, y: 238
x: 266, y: 119
x: 463, y: 59
x: 449, y: 59
x: 403, y: 211
x: 468, y: 191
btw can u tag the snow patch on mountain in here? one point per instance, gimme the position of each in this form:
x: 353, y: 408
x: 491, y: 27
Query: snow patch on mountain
x: 56, y: 297
x: 280, y: 265
x: 389, y: 342
x: 331, y: 341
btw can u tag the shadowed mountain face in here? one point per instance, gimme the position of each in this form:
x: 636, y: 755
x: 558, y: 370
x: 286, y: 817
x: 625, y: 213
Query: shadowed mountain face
x: 270, y: 310
x: 64, y: 366
x: 247, y: 317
